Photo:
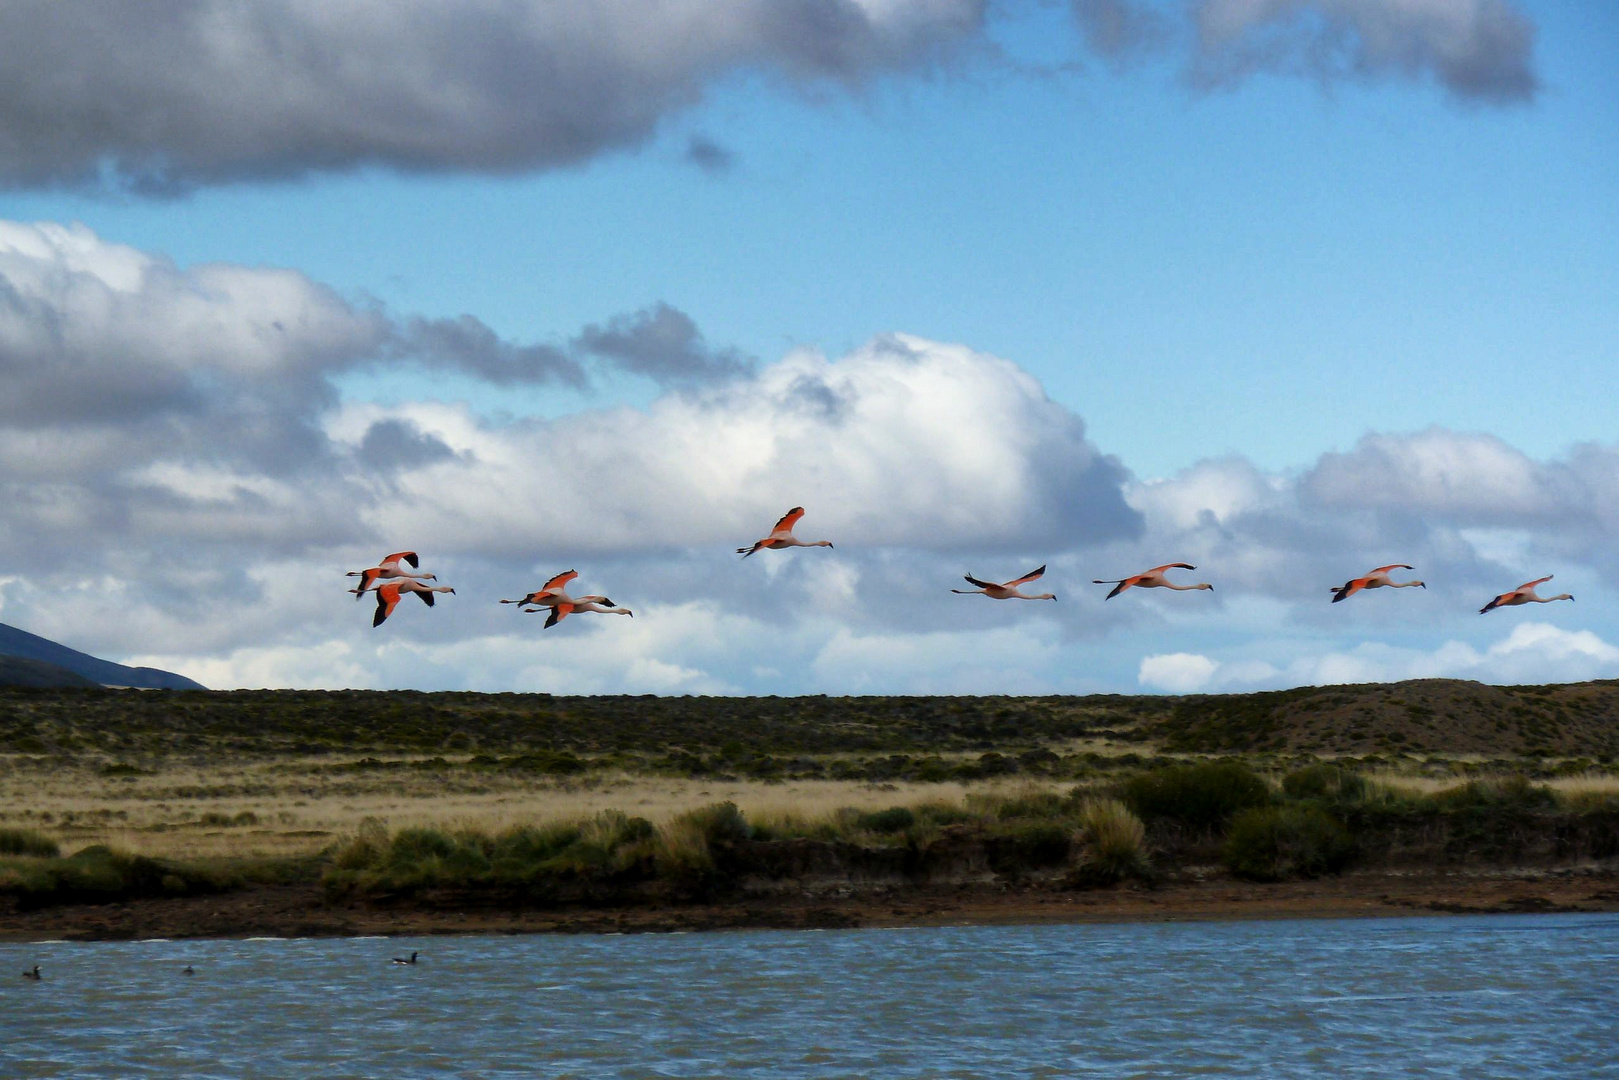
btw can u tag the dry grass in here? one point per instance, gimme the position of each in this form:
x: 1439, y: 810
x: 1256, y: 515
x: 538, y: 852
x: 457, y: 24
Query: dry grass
x: 280, y: 807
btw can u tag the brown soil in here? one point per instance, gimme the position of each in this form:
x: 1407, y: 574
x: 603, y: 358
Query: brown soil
x: 300, y: 911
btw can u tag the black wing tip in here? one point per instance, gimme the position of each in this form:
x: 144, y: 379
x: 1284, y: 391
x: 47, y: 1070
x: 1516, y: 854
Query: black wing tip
x: 415, y: 563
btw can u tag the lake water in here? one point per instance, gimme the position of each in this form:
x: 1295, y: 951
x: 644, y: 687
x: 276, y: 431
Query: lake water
x: 1500, y: 996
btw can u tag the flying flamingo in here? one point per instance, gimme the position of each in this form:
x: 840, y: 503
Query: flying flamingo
x: 1376, y: 579
x: 1151, y: 579
x: 388, y: 595
x: 782, y: 535
x: 1007, y: 591
x: 549, y: 589
x: 1523, y: 594
x: 562, y: 605
x: 389, y: 567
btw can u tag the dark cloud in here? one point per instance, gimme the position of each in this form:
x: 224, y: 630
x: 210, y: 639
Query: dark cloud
x: 709, y: 155
x: 467, y: 345
x: 661, y: 343
x: 1479, y: 50
x: 1121, y: 29
x: 398, y: 444
x: 168, y: 94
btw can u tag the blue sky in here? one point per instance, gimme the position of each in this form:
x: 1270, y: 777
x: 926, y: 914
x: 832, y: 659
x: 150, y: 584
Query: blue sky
x: 1261, y: 273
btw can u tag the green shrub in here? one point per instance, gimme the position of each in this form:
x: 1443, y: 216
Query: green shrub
x: 1206, y: 795
x: 884, y: 822
x: 1325, y: 781
x: 1271, y: 843
x: 718, y: 821
x: 28, y: 842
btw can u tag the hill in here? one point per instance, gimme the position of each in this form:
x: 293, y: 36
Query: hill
x: 21, y: 671
x: 874, y: 738
x: 22, y: 644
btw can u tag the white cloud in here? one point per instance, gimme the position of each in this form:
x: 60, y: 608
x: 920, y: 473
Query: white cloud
x: 213, y: 494
x: 1178, y: 673
x: 901, y: 442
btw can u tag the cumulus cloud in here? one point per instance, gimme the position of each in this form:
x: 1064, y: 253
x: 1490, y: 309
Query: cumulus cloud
x: 162, y: 97
x: 904, y: 442
x: 176, y: 449
x: 186, y: 92
x: 1178, y: 673
x: 1466, y: 509
x: 1531, y: 652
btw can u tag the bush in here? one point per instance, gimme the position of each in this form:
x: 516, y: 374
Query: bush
x: 1498, y: 791
x: 885, y: 822
x: 1115, y: 840
x: 1201, y: 796
x: 1271, y: 843
x: 1325, y: 781
x: 28, y: 842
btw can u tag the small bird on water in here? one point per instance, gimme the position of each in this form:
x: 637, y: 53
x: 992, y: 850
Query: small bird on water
x: 188, y: 970
x: 401, y: 960
x: 34, y: 975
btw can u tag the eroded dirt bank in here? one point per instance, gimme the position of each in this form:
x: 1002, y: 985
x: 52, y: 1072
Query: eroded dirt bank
x: 302, y: 911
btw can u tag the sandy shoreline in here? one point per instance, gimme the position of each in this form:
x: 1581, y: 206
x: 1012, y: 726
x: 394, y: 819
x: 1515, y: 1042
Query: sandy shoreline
x: 300, y: 911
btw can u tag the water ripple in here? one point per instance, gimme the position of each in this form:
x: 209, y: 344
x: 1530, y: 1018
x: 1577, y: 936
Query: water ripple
x: 1515, y: 996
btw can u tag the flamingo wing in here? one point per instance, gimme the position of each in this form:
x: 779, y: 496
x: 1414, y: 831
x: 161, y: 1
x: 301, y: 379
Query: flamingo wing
x: 558, y: 613
x: 556, y: 583
x: 402, y: 556
x: 1391, y: 566
x: 367, y: 578
x: 1167, y: 566
x: 981, y: 584
x: 426, y: 595
x: 1497, y: 602
x: 1026, y: 578
x: 1351, y: 588
x: 387, y: 600
x: 1121, y: 586
x: 1532, y: 584
x: 788, y: 520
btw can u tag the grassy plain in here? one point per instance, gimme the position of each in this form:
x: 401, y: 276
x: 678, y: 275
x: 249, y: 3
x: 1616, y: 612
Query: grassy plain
x: 636, y: 800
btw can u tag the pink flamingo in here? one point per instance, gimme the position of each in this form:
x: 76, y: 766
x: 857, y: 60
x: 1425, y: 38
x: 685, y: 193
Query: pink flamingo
x: 1151, y: 579
x: 782, y: 535
x: 1007, y: 591
x: 1523, y: 594
x: 1376, y: 579
x: 390, y: 567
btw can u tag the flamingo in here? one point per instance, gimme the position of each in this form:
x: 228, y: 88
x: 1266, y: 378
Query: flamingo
x: 550, y: 588
x: 1007, y: 591
x: 389, y: 567
x: 782, y: 535
x: 388, y: 595
x: 562, y: 605
x: 1151, y: 579
x: 1523, y: 594
x: 1376, y: 579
